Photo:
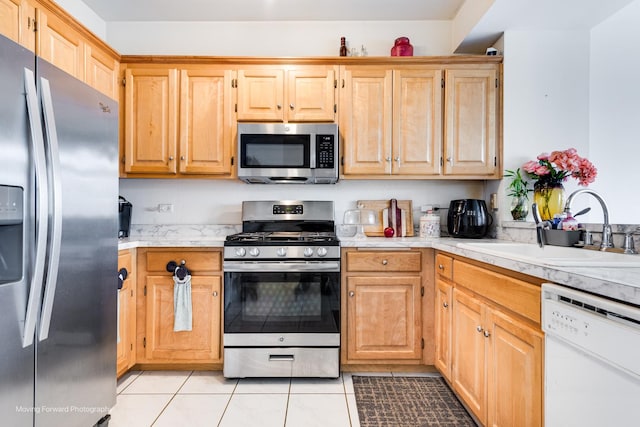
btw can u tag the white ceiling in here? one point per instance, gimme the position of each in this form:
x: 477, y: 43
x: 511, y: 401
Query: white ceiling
x: 274, y: 10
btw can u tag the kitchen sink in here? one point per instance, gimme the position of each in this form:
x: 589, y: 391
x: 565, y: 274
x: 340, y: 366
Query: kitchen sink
x: 559, y: 256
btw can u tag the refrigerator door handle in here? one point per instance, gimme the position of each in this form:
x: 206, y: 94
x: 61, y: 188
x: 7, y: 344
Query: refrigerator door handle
x: 42, y: 204
x: 55, y: 208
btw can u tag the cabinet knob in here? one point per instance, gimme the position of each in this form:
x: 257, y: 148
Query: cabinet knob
x: 352, y: 294
x: 181, y: 157
x: 479, y: 328
x: 449, y: 159
x: 385, y: 262
x: 445, y: 304
x: 291, y: 106
x: 486, y: 334
x: 388, y: 159
x: 279, y: 107
x: 215, y: 293
x: 441, y: 267
x: 170, y: 157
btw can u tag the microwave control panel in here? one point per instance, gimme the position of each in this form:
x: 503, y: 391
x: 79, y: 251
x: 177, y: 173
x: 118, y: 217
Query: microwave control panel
x: 325, y: 154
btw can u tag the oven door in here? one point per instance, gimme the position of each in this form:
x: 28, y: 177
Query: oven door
x: 282, y: 304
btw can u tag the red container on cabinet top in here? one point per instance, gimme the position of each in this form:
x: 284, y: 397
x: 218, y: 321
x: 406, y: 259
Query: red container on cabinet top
x: 402, y: 47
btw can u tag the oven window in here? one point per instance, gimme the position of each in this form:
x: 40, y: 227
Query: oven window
x: 275, y: 151
x: 282, y: 302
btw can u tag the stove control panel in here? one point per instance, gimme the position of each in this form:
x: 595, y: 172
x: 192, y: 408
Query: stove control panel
x: 288, y: 210
x: 281, y: 252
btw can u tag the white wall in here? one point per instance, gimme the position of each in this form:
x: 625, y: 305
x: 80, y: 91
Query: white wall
x: 293, y: 38
x: 546, y: 97
x: 615, y: 111
x: 219, y: 201
x: 86, y: 16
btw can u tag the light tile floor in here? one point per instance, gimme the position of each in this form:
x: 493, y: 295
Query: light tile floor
x: 206, y: 398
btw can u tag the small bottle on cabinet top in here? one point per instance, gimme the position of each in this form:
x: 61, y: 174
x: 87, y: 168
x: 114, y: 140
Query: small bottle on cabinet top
x: 343, y: 46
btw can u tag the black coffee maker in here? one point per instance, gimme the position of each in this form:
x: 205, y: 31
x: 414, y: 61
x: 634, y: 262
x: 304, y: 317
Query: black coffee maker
x: 468, y: 218
x: 124, y: 215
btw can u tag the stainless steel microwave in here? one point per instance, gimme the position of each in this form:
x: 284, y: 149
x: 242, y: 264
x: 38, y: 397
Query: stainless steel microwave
x: 288, y: 153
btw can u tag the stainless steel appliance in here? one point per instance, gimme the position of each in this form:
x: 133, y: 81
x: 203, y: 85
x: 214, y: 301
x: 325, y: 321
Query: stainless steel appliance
x: 58, y: 245
x: 288, y: 153
x: 591, y: 364
x: 282, y: 292
x: 468, y: 218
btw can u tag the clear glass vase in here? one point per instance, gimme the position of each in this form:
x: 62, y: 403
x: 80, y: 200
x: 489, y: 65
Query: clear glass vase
x: 549, y: 196
x: 519, y: 208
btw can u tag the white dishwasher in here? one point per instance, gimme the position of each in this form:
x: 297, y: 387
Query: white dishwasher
x: 592, y: 360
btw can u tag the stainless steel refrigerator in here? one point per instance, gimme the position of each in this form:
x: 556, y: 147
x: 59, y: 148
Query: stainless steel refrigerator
x: 58, y: 245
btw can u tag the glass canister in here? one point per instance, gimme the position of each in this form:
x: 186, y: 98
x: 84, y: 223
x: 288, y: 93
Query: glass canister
x: 402, y: 47
x: 430, y: 225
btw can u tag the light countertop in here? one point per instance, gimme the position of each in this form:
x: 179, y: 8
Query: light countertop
x: 619, y: 283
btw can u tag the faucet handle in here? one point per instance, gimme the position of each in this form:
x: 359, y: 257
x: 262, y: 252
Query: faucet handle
x: 629, y: 246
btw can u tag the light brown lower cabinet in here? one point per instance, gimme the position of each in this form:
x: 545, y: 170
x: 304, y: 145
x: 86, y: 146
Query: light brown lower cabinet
x: 125, y: 348
x: 383, y: 307
x: 158, y: 343
x: 496, y: 344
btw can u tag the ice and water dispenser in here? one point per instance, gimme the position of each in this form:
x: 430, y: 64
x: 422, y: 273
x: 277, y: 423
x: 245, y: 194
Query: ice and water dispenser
x: 11, y: 233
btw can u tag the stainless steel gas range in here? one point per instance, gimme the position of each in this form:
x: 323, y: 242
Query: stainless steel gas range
x: 282, y: 292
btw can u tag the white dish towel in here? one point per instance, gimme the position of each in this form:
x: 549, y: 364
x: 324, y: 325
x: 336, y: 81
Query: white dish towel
x: 182, y: 304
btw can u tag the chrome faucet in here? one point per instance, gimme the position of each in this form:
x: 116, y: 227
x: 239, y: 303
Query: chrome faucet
x: 607, y: 235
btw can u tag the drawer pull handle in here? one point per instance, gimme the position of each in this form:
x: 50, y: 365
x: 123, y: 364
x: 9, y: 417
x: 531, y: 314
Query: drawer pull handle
x: 281, y: 358
x: 385, y: 262
x: 352, y: 294
x: 479, y: 328
x: 445, y: 305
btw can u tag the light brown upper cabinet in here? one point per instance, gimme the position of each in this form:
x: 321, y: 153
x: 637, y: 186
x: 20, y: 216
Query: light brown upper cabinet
x: 178, y: 121
x: 286, y: 93
x: 17, y: 22
x: 390, y: 121
x: 419, y: 122
x: 471, y: 122
x: 61, y: 44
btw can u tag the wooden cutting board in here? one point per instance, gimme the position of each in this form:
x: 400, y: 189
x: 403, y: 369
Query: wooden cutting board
x: 379, y: 206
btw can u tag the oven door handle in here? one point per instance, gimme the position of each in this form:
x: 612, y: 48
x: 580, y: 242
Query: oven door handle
x: 287, y: 267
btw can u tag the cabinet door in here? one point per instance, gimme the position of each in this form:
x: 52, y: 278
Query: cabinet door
x: 468, y: 353
x: 205, y: 121
x: 61, y: 45
x: 417, y: 122
x: 126, y: 316
x: 151, y: 113
x: 443, y: 318
x: 366, y: 121
x: 202, y: 343
x: 384, y: 318
x: 311, y: 95
x: 101, y: 71
x: 470, y: 122
x: 17, y: 20
x: 514, y: 370
x: 261, y: 95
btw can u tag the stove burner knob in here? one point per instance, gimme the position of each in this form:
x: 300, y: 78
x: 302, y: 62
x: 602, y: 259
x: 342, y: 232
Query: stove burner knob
x: 308, y: 252
x: 322, y: 252
x: 254, y: 252
x: 281, y: 252
x: 240, y: 252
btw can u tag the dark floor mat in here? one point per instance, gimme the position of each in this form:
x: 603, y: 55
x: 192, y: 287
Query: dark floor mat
x: 408, y: 402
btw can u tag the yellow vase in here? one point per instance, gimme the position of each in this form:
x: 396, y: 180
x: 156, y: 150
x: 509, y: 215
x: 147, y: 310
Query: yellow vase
x: 549, y: 196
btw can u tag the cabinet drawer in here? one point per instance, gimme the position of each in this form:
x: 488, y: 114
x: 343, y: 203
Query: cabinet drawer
x: 516, y: 295
x: 196, y: 262
x: 444, y: 266
x: 124, y: 260
x: 367, y: 261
